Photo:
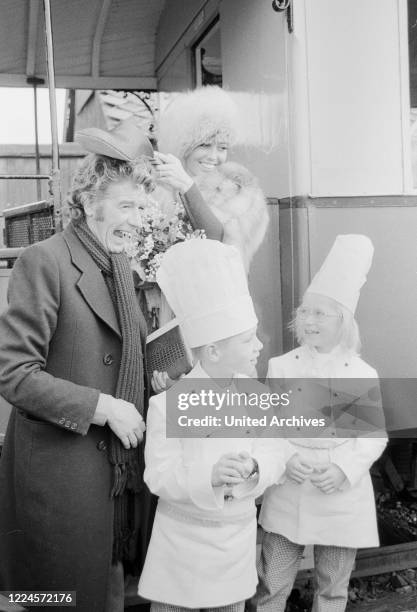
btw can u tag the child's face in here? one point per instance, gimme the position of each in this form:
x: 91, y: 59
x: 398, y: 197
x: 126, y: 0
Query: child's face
x: 239, y: 354
x: 318, y: 322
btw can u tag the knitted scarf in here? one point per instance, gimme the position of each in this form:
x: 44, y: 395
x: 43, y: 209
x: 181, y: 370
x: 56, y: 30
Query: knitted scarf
x: 128, y: 465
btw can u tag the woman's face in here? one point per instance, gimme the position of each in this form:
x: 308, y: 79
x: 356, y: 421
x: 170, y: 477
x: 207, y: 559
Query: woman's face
x: 206, y: 157
x: 318, y: 322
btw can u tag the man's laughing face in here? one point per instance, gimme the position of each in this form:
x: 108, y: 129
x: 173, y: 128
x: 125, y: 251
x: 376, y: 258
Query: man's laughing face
x: 116, y: 215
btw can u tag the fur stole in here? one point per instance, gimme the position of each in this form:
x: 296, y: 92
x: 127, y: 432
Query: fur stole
x: 235, y: 197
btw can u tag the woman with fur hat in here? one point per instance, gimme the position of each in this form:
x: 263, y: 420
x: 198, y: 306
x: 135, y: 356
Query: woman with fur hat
x: 198, y: 127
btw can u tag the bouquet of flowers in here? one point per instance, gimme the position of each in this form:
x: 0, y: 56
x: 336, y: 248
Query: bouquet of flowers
x: 160, y: 230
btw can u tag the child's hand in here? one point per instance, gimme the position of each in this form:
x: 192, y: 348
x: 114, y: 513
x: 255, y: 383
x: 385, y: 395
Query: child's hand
x: 330, y: 479
x: 160, y: 381
x: 248, y: 464
x: 297, y: 469
x: 228, y: 470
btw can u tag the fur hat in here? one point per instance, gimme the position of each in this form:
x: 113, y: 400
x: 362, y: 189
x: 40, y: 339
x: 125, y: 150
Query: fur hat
x: 194, y: 117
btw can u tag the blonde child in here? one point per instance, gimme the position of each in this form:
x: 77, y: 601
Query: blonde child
x: 325, y: 498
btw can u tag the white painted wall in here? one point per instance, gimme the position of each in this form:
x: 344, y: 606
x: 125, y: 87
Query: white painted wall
x: 298, y: 104
x: 357, y: 98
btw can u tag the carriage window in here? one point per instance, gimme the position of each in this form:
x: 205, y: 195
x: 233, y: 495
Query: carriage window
x: 208, y: 57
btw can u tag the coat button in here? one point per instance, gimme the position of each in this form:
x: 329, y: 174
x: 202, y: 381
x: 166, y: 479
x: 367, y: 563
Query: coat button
x: 108, y: 359
x: 102, y: 446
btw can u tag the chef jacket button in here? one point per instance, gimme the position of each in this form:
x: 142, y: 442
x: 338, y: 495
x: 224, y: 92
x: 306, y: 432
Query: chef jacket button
x: 333, y: 433
x: 67, y: 423
x: 297, y: 357
x: 61, y: 421
x: 334, y: 394
x: 108, y: 359
x: 74, y: 425
x: 346, y: 365
x: 101, y: 445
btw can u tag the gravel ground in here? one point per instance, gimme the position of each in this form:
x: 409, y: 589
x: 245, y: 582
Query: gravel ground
x: 392, y: 602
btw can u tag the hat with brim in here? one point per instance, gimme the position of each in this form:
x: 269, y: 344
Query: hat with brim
x: 126, y: 141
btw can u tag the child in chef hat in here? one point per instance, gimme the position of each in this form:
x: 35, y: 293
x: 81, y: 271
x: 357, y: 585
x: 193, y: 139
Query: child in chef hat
x: 202, y: 549
x: 325, y: 498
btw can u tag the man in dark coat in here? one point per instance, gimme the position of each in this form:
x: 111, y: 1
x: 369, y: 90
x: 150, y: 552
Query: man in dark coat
x: 73, y: 506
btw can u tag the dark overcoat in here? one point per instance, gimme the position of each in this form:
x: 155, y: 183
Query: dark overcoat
x: 60, y: 347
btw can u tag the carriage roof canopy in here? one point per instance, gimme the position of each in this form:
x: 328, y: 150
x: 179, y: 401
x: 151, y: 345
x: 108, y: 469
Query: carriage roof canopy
x: 98, y: 44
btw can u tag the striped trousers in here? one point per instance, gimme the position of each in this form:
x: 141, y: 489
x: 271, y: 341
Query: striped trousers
x: 278, y: 566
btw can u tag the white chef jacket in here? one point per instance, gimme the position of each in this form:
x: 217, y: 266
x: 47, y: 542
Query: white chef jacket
x: 302, y: 513
x: 202, y: 551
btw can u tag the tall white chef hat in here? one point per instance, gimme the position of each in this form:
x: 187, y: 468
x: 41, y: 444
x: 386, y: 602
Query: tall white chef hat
x: 344, y: 270
x: 205, y: 284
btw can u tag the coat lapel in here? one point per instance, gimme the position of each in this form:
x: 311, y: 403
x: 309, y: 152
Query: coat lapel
x: 91, y: 282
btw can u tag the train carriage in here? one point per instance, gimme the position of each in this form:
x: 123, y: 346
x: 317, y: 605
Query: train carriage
x: 328, y: 92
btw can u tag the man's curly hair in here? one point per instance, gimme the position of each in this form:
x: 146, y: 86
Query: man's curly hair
x: 96, y: 172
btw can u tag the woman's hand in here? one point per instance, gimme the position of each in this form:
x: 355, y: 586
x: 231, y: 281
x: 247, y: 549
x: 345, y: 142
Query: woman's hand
x: 330, y: 479
x: 297, y: 469
x: 170, y: 170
